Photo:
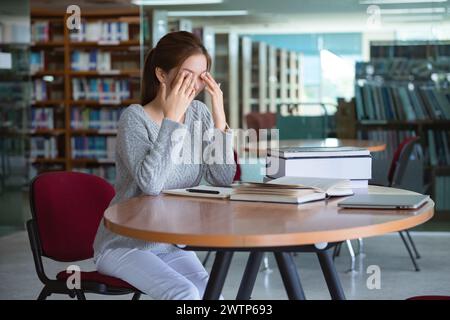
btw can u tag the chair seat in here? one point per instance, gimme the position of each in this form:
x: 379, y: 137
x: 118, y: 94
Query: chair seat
x: 95, y: 276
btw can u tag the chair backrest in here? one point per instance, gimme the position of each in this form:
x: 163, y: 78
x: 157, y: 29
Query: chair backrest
x: 67, y: 208
x: 237, y: 175
x: 400, y: 160
x: 258, y: 120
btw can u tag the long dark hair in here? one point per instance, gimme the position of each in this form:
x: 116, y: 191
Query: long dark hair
x: 170, y: 52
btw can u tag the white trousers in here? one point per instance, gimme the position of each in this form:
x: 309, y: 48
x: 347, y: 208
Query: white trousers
x: 176, y: 275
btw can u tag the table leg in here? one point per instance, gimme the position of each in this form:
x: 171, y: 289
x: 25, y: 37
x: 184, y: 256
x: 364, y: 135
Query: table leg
x: 218, y: 275
x: 289, y: 275
x: 330, y: 274
x: 250, y: 274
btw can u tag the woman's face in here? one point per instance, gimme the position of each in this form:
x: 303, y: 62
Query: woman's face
x: 197, y: 65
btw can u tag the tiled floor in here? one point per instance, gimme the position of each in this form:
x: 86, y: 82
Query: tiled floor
x: 18, y: 279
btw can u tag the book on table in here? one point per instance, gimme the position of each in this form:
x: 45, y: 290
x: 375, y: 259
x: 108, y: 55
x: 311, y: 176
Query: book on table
x: 292, y: 190
x: 350, y: 163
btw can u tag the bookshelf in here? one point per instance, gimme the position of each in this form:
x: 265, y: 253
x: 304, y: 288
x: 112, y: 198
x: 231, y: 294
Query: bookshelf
x: 226, y: 72
x: 81, y: 82
x: 403, y: 91
x: 14, y: 102
x: 269, y: 76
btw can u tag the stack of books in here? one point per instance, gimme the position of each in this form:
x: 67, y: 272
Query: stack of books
x: 43, y: 147
x: 92, y: 60
x: 352, y: 163
x: 37, y: 61
x: 101, y: 31
x: 94, y: 147
x: 40, y: 31
x: 42, y: 118
x: 102, y: 90
x: 393, y: 101
x: 101, y: 119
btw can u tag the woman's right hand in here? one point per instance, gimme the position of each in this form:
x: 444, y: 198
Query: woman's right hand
x: 175, y: 103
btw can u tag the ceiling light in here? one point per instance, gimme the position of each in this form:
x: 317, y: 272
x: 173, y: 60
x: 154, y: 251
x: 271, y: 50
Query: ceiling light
x: 173, y: 2
x: 207, y: 13
x: 399, y: 1
x: 413, y: 10
x: 413, y: 18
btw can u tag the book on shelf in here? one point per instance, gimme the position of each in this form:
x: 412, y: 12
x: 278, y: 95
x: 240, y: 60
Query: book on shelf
x: 42, y: 118
x: 442, y: 189
x: 322, y: 162
x: 42, y: 90
x: 403, y: 68
x: 86, y: 118
x: 294, y: 190
x: 37, y: 61
x: 401, y: 101
x: 438, y: 147
x: 93, y: 147
x: 39, y: 90
x: 92, y: 60
x: 40, y: 31
x: 106, y: 31
x: 43, y: 147
x: 102, y: 90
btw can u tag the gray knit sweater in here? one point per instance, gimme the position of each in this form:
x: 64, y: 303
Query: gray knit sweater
x: 144, y: 163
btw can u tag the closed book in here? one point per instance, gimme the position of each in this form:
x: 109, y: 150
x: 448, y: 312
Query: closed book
x: 358, y: 167
x: 317, y: 152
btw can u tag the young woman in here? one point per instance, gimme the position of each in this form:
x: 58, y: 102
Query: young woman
x: 148, y: 137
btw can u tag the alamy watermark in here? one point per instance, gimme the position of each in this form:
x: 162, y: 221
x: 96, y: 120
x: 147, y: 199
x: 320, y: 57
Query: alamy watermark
x: 374, y: 280
x: 73, y: 21
x: 211, y: 146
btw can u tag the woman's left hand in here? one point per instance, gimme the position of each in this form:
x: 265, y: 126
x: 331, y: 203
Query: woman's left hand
x: 218, y: 112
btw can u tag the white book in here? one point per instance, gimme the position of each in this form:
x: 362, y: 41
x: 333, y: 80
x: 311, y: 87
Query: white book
x: 114, y: 32
x: 124, y: 31
x: 93, y: 31
x: 317, y: 152
x: 359, y: 168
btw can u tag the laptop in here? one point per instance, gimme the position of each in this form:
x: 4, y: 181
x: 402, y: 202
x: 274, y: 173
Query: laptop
x: 385, y: 201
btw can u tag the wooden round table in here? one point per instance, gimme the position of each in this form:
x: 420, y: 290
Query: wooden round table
x: 227, y: 226
x: 371, y: 145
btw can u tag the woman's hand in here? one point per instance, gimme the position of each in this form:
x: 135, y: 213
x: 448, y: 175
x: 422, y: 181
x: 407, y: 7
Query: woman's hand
x: 175, y: 103
x: 218, y: 113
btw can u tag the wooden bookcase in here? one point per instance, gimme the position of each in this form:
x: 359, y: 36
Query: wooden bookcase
x: 398, y: 64
x: 58, y: 47
x: 269, y: 77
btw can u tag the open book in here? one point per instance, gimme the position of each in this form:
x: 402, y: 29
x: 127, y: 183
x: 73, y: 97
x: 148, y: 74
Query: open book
x: 292, y: 190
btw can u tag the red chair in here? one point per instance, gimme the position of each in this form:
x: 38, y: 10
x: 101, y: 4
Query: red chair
x: 396, y: 173
x: 258, y: 120
x: 66, y: 209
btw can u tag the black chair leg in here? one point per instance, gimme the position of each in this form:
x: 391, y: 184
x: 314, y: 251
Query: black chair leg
x: 205, y: 260
x: 416, y: 267
x: 337, y: 250
x: 44, y: 294
x: 80, y: 295
x: 413, y: 245
x: 136, y: 296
